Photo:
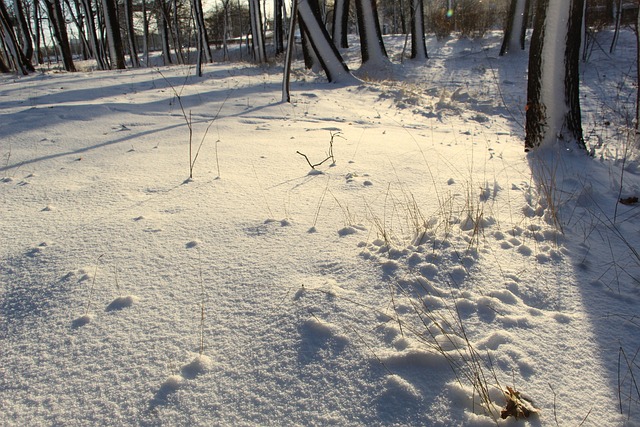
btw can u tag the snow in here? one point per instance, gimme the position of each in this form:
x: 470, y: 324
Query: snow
x: 374, y: 291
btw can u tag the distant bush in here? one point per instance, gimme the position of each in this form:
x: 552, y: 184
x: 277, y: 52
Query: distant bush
x: 468, y: 18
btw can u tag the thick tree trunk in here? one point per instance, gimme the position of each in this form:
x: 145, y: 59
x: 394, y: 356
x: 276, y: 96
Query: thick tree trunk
x: 340, y: 23
x: 516, y: 26
x: 329, y: 57
x: 418, y: 45
x: 112, y: 28
x: 553, y: 103
x: 371, y: 44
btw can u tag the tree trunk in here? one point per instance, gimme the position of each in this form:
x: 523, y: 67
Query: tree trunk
x: 286, y: 79
x: 59, y: 28
x: 16, y: 56
x: 371, y: 44
x: 204, y: 52
x: 340, y: 23
x: 36, y: 31
x: 145, y: 32
x: 96, y: 45
x: 259, y: 50
x: 23, y: 26
x: 553, y: 103
x: 112, y: 28
x: 278, y: 26
x: 418, y: 45
x: 163, y: 29
x: 329, y: 57
x: 175, y: 31
x: 131, y: 35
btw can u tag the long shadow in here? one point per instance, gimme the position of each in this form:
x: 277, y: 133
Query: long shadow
x: 88, y: 148
x: 600, y: 238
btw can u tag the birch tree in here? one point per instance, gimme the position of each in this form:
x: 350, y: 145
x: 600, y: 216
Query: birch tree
x: 204, y: 52
x: 553, y: 103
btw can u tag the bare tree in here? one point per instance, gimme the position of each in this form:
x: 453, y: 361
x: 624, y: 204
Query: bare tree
x: 26, y: 42
x: 131, y: 35
x: 553, y: 103
x: 204, y: 52
x: 59, y: 28
x: 112, y: 28
x: 17, y: 58
x: 257, y: 34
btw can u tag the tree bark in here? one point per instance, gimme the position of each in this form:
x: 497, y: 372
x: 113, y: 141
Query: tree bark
x: 131, y: 35
x: 257, y: 35
x: 23, y: 26
x: 553, y: 103
x: 340, y: 23
x: 20, y: 62
x: 96, y: 45
x: 418, y: 45
x: 59, y: 28
x: 278, y: 26
x: 327, y: 53
x: 371, y: 44
x: 163, y: 29
x: 112, y: 28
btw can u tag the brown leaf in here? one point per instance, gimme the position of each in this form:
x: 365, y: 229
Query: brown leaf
x: 629, y: 201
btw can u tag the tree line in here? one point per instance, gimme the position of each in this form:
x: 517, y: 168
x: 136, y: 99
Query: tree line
x: 106, y: 33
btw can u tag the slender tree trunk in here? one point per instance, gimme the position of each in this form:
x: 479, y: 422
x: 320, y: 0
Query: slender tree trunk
x: 23, y: 26
x: 96, y: 45
x: 553, y: 103
x: 278, y: 26
x: 286, y: 90
x: 175, y: 31
x: 616, y: 31
x: 418, y: 44
x: 163, y: 29
x: 259, y: 50
x: 637, y: 124
x: 340, y: 23
x: 59, y: 28
x: 131, y: 35
x: 36, y: 31
x: 112, y: 26
x: 204, y: 51
x: 20, y: 62
x: 145, y: 32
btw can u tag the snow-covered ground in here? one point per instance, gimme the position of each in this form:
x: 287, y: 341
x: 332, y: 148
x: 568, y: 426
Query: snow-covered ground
x: 409, y: 280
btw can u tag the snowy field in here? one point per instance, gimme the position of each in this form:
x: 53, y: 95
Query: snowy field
x: 409, y: 280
